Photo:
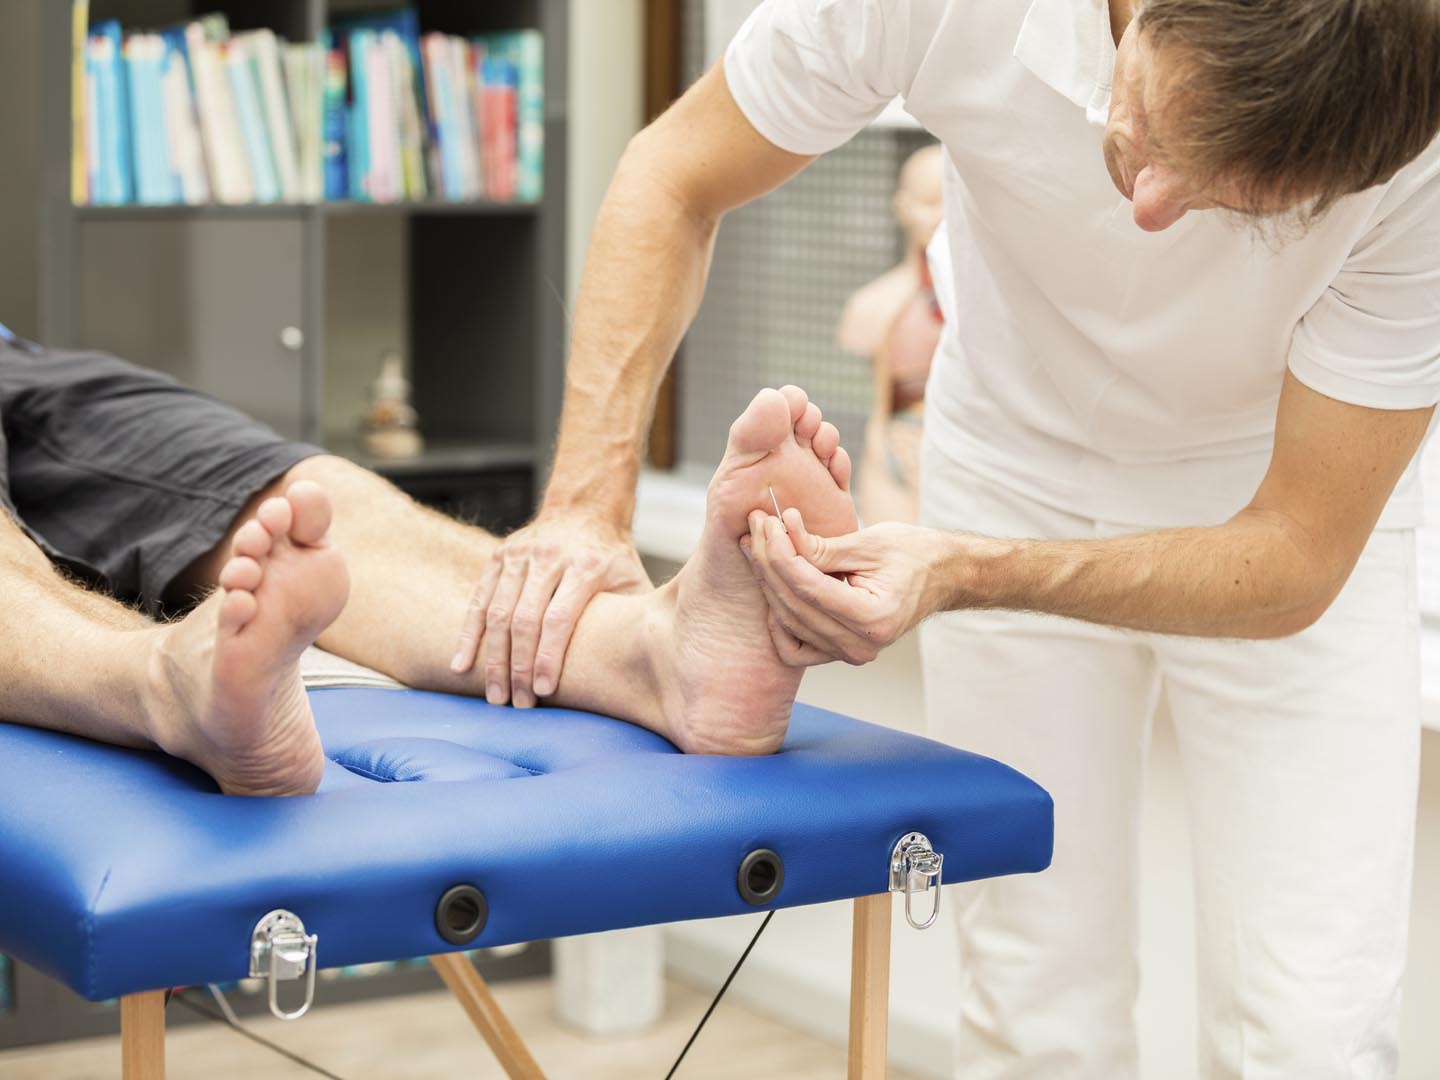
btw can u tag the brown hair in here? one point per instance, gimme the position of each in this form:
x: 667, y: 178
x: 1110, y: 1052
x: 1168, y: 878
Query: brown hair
x: 1300, y: 100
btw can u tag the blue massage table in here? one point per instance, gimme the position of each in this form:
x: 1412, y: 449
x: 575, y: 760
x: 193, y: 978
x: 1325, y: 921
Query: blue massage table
x: 445, y: 824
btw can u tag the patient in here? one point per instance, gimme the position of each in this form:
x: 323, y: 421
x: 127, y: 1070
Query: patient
x: 115, y: 479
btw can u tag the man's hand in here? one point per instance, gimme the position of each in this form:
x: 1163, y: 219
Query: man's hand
x: 847, y: 597
x: 531, y: 596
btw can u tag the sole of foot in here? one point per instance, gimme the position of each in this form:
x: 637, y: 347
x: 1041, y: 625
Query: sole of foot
x: 732, y: 694
x: 226, y: 677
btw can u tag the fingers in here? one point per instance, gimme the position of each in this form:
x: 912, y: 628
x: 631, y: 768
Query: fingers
x: 575, y: 591
x: 800, y: 610
x: 499, y: 614
x: 792, y: 651
x: 540, y: 583
x: 473, y: 630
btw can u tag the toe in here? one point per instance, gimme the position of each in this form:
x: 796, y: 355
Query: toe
x: 311, y: 507
x: 237, y: 609
x: 253, y: 540
x: 764, y: 424
x: 241, y: 572
x: 275, y: 515
x: 808, y: 424
x: 797, y: 400
x: 826, y: 441
x: 840, y: 468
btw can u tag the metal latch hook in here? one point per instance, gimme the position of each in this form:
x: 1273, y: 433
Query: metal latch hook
x: 914, y: 869
x: 280, y: 950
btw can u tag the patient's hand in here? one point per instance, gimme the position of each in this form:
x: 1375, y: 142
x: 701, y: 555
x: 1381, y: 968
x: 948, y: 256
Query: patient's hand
x: 531, y: 596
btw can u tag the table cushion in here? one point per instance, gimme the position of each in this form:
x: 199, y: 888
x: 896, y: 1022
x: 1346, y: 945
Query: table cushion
x: 125, y: 870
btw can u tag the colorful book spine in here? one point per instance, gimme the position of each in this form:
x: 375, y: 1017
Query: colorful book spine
x: 525, y: 50
x: 373, y: 111
x: 358, y: 150
x: 241, y: 74
x: 80, y: 118
x: 229, y: 165
x: 182, y: 125
x: 117, y: 159
x: 501, y: 98
x: 336, y: 164
x: 264, y: 51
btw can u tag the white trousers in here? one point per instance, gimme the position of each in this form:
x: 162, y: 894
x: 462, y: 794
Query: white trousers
x: 1300, y: 760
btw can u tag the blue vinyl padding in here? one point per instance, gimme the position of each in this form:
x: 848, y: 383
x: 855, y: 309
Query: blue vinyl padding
x: 125, y: 870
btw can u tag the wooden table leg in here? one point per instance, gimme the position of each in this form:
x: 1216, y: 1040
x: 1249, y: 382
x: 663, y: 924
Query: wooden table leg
x: 142, y: 1035
x: 869, y: 987
x: 484, y: 1012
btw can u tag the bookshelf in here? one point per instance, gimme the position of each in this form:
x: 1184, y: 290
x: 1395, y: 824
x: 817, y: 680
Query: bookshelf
x: 283, y: 309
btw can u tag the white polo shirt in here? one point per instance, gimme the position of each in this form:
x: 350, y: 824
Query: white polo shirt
x: 1125, y: 376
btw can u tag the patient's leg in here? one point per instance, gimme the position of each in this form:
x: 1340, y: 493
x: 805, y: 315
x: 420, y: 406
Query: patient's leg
x: 219, y: 688
x: 692, y: 660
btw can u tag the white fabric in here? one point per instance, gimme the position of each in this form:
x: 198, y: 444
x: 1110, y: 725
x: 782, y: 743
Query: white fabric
x: 1300, y: 759
x: 1098, y: 368
x: 321, y: 670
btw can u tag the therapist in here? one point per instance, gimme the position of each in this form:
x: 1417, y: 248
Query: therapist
x: 1190, y: 269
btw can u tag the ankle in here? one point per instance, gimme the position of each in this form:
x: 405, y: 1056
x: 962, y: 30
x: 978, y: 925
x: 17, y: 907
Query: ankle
x: 163, y: 703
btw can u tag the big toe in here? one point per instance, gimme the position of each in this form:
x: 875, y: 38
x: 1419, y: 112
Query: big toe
x: 764, y: 425
x: 312, y: 512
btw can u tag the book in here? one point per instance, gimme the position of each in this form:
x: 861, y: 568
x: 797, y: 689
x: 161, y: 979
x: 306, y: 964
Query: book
x: 525, y: 50
x: 336, y: 126
x: 245, y: 88
x: 92, y: 129
x: 501, y: 102
x: 229, y: 166
x: 112, y: 95
x: 372, y: 111
x: 304, y: 66
x: 80, y: 94
x: 264, y: 52
x: 182, y: 127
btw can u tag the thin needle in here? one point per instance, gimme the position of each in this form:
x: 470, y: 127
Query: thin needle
x: 776, y: 503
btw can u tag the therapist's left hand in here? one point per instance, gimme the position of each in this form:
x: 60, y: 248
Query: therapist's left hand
x: 845, y: 597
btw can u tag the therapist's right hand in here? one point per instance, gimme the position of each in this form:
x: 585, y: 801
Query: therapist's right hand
x: 530, y: 597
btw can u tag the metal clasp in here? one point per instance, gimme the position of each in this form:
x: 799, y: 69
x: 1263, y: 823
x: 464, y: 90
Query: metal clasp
x: 280, y: 950
x: 915, y: 868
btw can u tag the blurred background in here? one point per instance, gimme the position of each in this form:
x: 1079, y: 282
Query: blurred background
x: 404, y: 300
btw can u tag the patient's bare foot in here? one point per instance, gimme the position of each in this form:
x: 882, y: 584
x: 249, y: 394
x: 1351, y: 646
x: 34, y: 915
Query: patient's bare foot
x: 734, y: 693
x: 228, y: 690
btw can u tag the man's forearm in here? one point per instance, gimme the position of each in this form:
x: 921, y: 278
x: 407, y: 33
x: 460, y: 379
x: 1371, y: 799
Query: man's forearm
x: 643, y: 281
x: 1256, y: 576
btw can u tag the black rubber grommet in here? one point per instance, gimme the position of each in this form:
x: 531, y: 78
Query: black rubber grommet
x: 761, y: 875
x: 461, y: 914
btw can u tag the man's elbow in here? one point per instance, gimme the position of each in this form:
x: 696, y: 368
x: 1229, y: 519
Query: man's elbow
x: 1302, y: 612
x: 649, y: 176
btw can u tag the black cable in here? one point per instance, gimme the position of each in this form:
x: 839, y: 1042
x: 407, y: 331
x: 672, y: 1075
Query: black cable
x: 728, y: 980
x: 181, y: 998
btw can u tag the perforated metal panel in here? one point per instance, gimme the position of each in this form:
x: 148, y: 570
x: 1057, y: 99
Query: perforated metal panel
x: 784, y: 267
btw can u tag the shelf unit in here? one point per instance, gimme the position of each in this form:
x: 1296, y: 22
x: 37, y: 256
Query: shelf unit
x: 215, y: 295
x: 283, y: 310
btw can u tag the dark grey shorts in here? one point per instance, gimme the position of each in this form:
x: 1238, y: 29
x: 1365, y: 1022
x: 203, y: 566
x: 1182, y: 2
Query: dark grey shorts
x: 121, y: 474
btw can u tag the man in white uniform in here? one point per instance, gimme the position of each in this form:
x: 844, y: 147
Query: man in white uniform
x: 1191, y: 277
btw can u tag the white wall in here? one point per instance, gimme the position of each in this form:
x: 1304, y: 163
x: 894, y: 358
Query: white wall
x: 800, y: 969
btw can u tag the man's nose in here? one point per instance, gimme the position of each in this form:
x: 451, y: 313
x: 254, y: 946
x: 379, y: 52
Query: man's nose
x: 1155, y: 208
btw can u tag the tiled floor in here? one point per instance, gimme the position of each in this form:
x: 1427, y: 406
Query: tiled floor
x: 426, y: 1037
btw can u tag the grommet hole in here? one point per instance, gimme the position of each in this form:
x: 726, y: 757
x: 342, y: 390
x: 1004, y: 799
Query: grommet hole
x: 762, y: 873
x: 761, y: 878
x: 461, y: 914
